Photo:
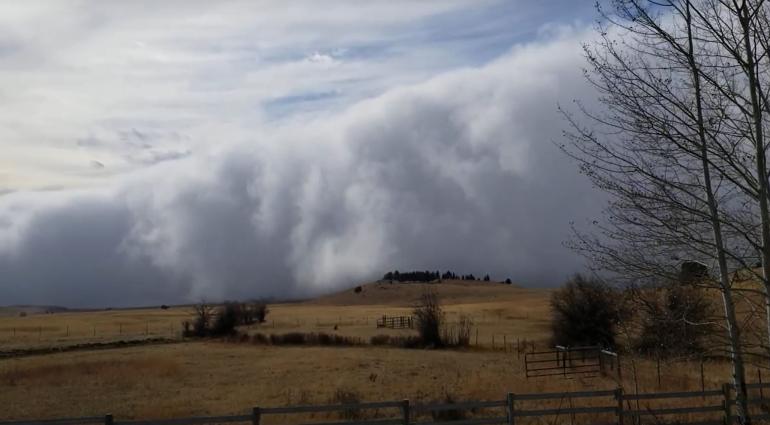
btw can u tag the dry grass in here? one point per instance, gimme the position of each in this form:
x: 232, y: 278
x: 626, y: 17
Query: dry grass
x: 219, y: 378
x: 495, y: 309
x: 210, y: 378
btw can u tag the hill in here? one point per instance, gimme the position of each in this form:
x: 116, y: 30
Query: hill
x: 407, y: 294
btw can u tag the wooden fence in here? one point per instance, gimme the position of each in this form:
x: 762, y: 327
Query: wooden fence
x: 710, y: 407
x: 395, y: 322
x: 571, y: 361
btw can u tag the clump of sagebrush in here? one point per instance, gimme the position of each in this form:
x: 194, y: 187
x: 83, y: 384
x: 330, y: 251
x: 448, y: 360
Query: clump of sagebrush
x: 586, y: 311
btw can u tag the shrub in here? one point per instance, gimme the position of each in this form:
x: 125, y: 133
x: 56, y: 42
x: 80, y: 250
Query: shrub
x: 259, y: 339
x: 260, y: 312
x: 429, y: 318
x: 293, y: 338
x: 380, y: 340
x: 586, y: 312
x: 464, y: 327
x: 675, y: 320
x: 357, y: 289
x: 228, y: 318
x: 202, y: 315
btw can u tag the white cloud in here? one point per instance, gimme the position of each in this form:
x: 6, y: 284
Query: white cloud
x: 458, y: 171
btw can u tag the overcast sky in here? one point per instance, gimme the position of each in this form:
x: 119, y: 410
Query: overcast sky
x: 161, y: 152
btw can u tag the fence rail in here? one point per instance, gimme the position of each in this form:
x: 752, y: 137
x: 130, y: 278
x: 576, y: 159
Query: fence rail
x: 614, y: 402
x: 570, y: 361
x: 395, y: 322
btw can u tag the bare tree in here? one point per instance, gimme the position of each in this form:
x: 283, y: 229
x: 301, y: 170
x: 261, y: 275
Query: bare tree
x: 664, y: 149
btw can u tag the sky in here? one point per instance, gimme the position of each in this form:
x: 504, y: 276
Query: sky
x: 164, y: 152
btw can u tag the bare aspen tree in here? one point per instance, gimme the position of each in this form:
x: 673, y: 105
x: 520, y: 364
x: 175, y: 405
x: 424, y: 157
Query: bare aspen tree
x: 654, y: 151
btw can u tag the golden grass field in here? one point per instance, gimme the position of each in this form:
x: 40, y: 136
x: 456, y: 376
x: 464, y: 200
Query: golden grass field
x: 498, y: 310
x: 209, y: 378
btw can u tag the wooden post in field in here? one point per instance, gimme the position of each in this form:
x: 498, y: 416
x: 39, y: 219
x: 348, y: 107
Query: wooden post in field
x: 564, y: 362
x: 108, y: 420
x: 256, y: 414
x: 658, y: 371
x: 761, y: 391
x: 405, y: 411
x: 620, y: 369
x: 619, y: 398
x: 477, y: 337
x: 702, y: 378
x: 94, y: 330
x: 510, y: 409
x: 727, y: 403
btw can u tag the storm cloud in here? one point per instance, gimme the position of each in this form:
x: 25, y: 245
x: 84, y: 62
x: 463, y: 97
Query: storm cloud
x: 458, y: 171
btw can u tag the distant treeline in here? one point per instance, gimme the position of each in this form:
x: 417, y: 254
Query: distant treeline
x: 429, y: 276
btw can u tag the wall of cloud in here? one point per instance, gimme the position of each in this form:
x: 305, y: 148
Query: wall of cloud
x: 461, y: 171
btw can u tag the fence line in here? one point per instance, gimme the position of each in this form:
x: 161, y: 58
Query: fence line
x: 514, y: 406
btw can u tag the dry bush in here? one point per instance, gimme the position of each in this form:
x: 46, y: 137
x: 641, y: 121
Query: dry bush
x: 382, y: 339
x: 429, y: 317
x: 203, y: 314
x: 401, y: 341
x: 300, y: 338
x: 586, y: 311
x: 458, y: 335
x: 676, y: 320
x: 259, y: 338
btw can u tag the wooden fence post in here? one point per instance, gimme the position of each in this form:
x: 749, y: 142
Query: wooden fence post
x: 510, y: 409
x: 619, y: 398
x: 405, y: 411
x: 107, y: 419
x: 761, y: 392
x: 727, y: 404
x: 256, y: 415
